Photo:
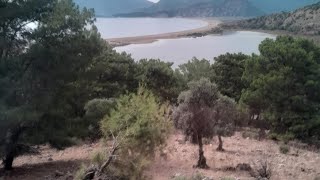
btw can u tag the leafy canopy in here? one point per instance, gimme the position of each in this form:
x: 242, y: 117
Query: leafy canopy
x: 284, y: 84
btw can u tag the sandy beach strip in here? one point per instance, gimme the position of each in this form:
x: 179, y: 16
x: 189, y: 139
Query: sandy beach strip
x: 212, y: 23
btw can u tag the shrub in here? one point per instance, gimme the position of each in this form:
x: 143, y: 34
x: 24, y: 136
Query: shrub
x: 284, y: 149
x: 262, y: 170
x: 196, y: 176
x: 80, y: 174
x: 140, y: 125
x: 228, y: 178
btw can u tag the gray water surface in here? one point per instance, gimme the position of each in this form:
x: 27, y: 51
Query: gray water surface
x: 181, y: 50
x: 129, y: 27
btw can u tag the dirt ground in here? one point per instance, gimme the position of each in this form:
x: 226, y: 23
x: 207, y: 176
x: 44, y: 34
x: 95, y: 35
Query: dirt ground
x: 178, y: 158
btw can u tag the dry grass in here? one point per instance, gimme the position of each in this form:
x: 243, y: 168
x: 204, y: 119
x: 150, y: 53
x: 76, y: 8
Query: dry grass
x: 179, y: 157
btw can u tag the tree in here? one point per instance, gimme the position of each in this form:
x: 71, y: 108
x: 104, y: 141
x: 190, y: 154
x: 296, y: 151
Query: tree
x: 140, y: 124
x: 53, y: 70
x: 160, y: 78
x: 228, y: 70
x: 15, y: 15
x: 225, y: 114
x: 196, y: 69
x: 284, y: 86
x: 195, y: 115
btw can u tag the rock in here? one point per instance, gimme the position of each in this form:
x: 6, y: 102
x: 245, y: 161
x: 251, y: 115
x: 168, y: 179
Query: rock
x: 50, y: 159
x: 243, y: 167
x: 58, y: 173
x: 184, y: 150
x: 207, y: 178
x: 177, y: 175
x: 180, y: 141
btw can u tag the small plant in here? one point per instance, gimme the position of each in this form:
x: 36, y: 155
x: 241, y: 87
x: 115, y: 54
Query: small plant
x: 197, y: 176
x: 262, y: 170
x: 284, y: 149
x: 98, y: 158
x: 80, y: 174
x: 228, y: 178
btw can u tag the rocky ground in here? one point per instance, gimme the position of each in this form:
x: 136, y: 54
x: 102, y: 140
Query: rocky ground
x: 178, y: 159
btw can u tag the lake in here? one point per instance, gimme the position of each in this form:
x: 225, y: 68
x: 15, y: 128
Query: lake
x: 129, y: 27
x: 181, y: 50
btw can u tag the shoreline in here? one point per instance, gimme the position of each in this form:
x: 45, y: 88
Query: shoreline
x: 210, y: 28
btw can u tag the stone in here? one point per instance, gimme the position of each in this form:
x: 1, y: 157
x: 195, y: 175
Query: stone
x: 58, y: 173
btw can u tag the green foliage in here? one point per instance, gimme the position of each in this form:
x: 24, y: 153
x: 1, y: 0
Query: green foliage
x: 141, y: 125
x: 228, y: 70
x: 284, y: 85
x: 225, y: 113
x: 284, y: 149
x: 196, y: 69
x: 160, y: 78
x: 140, y: 120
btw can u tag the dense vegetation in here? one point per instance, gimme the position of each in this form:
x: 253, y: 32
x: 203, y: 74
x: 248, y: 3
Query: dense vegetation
x: 303, y: 21
x: 61, y: 83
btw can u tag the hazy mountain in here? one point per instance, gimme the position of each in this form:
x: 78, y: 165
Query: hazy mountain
x: 199, y: 8
x: 207, y: 8
x: 305, y: 21
x: 273, y: 6
x: 110, y: 7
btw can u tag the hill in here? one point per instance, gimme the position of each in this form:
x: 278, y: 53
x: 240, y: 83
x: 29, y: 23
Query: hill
x: 274, y: 6
x: 216, y: 8
x: 200, y: 8
x: 303, y: 21
x: 110, y: 7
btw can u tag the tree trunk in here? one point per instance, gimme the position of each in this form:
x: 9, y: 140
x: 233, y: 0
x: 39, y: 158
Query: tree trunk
x: 202, y: 162
x: 220, y: 148
x: 11, y: 142
x: 8, y: 162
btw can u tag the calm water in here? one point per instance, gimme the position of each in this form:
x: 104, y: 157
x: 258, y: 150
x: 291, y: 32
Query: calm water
x: 181, y: 50
x: 128, y: 27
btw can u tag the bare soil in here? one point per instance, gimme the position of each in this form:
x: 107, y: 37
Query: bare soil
x: 178, y: 158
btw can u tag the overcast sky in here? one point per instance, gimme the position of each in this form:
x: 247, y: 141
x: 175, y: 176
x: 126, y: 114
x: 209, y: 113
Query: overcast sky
x: 153, y: 0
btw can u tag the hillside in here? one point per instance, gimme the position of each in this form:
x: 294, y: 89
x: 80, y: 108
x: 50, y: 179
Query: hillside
x: 210, y: 8
x: 110, y: 7
x: 274, y: 6
x: 178, y: 158
x: 202, y: 8
x: 304, y: 21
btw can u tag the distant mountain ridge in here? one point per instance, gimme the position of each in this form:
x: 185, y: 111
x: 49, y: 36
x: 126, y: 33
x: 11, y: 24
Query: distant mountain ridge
x: 304, y: 21
x: 111, y: 7
x: 210, y: 8
x: 198, y: 8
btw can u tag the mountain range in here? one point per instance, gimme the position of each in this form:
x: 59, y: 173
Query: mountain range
x: 191, y: 8
x: 110, y: 7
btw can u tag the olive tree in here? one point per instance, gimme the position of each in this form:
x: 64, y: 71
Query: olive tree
x: 195, y: 114
x: 225, y: 114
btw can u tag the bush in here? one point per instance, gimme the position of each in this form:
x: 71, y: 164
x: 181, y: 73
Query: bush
x: 80, y: 174
x: 262, y: 170
x: 140, y: 126
x: 284, y: 149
